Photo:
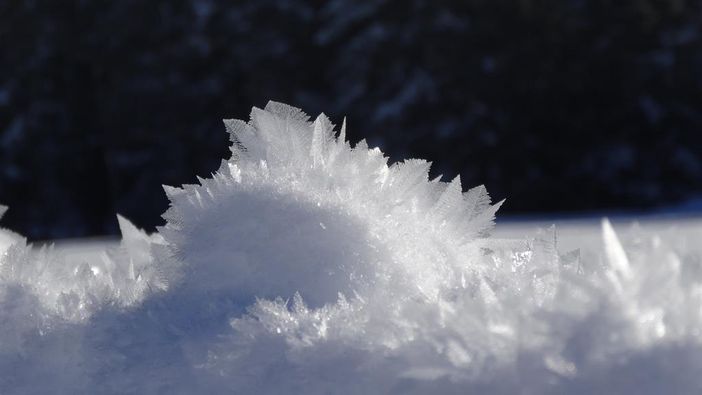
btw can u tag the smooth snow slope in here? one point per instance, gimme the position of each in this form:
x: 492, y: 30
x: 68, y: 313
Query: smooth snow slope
x: 307, y: 266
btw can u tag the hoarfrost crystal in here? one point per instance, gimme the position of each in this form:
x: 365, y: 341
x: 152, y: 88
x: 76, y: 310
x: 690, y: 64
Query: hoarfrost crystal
x: 296, y: 206
x: 307, y: 265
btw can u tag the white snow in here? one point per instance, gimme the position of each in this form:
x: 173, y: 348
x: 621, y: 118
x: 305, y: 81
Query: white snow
x: 307, y: 266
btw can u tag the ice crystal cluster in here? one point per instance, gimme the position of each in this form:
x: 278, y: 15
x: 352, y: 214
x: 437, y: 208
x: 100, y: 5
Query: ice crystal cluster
x: 306, y: 265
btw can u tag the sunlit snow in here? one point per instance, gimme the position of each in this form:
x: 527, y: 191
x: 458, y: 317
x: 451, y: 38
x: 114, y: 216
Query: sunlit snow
x: 305, y: 265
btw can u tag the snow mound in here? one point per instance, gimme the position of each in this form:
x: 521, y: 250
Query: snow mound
x: 305, y: 265
x: 297, y: 210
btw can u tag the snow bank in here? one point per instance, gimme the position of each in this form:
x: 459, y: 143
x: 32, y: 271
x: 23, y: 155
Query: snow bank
x: 307, y: 266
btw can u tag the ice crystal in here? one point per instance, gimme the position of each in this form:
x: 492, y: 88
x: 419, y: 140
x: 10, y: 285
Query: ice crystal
x: 306, y: 265
x: 72, y: 286
x: 297, y: 206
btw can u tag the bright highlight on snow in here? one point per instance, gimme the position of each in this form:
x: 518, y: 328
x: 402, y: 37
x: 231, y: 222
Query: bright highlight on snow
x: 305, y: 265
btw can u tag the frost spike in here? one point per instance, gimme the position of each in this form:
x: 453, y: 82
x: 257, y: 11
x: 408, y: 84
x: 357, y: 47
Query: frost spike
x: 410, y: 173
x: 234, y: 128
x: 235, y: 172
x: 477, y: 200
x: 240, y: 134
x: 125, y: 226
x: 320, y: 136
x: 488, y: 214
x: 342, y: 133
x: 172, y: 192
x: 286, y: 111
x: 614, y: 251
x: 223, y: 165
x: 483, y: 223
x: 129, y: 231
x: 450, y: 200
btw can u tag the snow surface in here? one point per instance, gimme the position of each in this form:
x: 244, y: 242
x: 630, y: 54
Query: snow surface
x: 307, y: 266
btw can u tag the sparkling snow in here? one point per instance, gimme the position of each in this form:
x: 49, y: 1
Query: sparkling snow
x: 307, y: 266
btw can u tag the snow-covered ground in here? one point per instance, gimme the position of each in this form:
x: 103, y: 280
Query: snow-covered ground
x: 586, y: 232
x: 304, y: 265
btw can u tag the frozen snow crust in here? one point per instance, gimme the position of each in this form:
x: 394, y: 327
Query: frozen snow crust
x: 307, y: 266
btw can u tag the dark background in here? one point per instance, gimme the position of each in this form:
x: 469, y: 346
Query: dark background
x: 561, y: 106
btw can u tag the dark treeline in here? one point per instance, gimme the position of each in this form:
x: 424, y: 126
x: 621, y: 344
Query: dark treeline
x: 556, y: 105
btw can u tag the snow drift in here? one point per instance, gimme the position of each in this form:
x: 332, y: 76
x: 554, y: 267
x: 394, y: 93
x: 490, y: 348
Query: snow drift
x: 305, y: 265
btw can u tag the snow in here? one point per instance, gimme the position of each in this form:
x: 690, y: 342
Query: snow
x: 305, y: 265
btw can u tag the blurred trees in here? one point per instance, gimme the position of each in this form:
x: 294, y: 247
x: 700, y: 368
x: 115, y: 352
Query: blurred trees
x: 557, y: 105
